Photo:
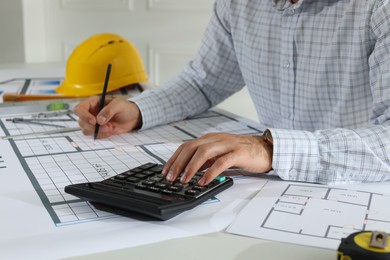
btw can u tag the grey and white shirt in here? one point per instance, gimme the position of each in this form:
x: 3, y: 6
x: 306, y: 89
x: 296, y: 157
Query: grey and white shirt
x: 318, y: 73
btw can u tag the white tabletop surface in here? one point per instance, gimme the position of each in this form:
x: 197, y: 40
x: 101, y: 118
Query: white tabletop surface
x: 218, y: 246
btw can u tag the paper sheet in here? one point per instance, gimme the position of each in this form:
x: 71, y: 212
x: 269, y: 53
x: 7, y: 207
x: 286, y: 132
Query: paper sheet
x: 313, y: 215
x: 52, y: 224
x: 30, y: 81
x: 41, y: 82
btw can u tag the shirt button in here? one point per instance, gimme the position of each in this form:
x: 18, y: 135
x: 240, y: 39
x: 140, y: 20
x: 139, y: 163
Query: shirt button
x: 291, y: 11
x: 287, y: 64
x: 292, y: 173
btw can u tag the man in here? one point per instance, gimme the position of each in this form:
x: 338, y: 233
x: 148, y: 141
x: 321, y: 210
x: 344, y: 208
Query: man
x: 318, y: 72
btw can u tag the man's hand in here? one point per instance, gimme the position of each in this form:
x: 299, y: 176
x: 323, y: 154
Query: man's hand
x: 218, y: 152
x: 118, y: 116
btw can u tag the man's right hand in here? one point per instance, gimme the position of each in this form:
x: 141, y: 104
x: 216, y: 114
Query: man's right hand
x: 118, y: 116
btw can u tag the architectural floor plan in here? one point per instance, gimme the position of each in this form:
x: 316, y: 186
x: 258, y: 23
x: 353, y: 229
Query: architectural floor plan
x: 53, y: 161
x: 312, y: 214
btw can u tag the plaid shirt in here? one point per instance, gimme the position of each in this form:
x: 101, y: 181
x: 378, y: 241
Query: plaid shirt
x: 319, y: 75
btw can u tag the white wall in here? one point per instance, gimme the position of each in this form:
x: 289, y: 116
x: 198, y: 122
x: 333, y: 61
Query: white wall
x: 11, y: 31
x: 167, y: 33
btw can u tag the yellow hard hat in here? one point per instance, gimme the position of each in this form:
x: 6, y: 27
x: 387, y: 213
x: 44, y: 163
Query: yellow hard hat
x: 87, y: 65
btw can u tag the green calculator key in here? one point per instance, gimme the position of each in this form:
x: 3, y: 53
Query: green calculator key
x: 220, y: 178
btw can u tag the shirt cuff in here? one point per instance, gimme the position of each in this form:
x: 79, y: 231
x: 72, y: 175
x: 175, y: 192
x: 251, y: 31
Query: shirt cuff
x: 295, y: 155
x: 152, y: 114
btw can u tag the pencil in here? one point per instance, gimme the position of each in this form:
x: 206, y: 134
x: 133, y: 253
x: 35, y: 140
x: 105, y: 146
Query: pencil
x: 102, y: 99
x: 8, y: 97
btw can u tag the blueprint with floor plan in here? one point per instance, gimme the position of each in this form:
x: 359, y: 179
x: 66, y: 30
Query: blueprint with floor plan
x: 36, y: 164
x: 53, y: 161
x: 311, y: 214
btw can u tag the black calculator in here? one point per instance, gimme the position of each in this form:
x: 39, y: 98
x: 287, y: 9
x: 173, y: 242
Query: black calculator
x: 145, y: 191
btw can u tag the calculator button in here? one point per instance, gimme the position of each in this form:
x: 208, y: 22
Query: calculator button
x: 168, y: 192
x: 161, y: 185
x: 141, y: 176
x: 154, y: 189
x: 193, y: 181
x: 146, y: 166
x: 192, y: 192
x: 121, y: 177
x: 199, y: 188
x: 156, y: 179
x: 133, y: 179
x: 157, y: 168
x: 175, y: 188
x: 148, y: 183
x: 148, y: 173
x: 141, y: 186
x: 220, y: 178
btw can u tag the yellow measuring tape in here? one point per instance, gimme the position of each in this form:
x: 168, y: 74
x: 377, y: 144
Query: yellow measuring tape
x: 365, y: 245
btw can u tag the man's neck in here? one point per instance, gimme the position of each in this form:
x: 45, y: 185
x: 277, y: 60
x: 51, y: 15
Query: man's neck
x: 294, y: 1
